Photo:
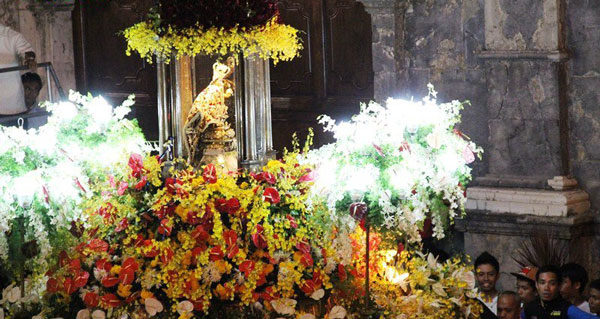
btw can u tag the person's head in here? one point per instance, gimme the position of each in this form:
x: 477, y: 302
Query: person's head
x: 509, y: 305
x: 526, y: 284
x: 574, y: 280
x: 32, y: 84
x: 487, y: 270
x: 527, y: 291
x: 595, y: 297
x: 548, y: 282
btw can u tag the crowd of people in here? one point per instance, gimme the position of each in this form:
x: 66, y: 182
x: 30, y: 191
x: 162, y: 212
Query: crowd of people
x: 546, y: 292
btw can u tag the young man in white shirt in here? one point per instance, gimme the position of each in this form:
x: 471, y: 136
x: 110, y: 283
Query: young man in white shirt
x: 15, y: 50
x: 574, y: 280
x: 487, y: 272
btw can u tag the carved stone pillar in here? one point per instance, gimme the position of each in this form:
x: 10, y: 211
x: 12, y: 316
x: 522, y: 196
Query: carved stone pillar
x: 387, y: 19
x: 528, y: 187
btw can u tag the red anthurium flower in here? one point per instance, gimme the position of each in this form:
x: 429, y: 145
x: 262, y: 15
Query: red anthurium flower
x: 269, y: 295
x: 130, y: 263
x: 400, y: 248
x: 111, y: 300
x: 63, y: 259
x: 232, y: 251
x: 358, y: 210
x: 46, y: 194
x: 103, y: 264
x: 164, y: 228
x: 292, y: 221
x: 233, y: 205
x: 69, y: 286
x: 308, y: 287
x: 196, y: 252
x: 258, y: 238
x: 75, y: 265
x: 79, y: 185
x: 379, y: 150
x: 152, y: 252
x: 306, y: 260
x: 136, y: 164
x: 171, y: 185
x: 210, y: 173
x: 122, y: 188
x: 221, y: 205
x: 216, y: 253
x: 342, y: 272
x: 269, y: 178
x: 192, y: 218
x: 308, y: 177
x: 271, y: 195
x: 230, y: 237
x: 167, y: 256
x: 122, y: 225
x: 230, y: 206
x: 52, y: 285
x: 199, y: 234
x: 303, y: 247
x: 198, y: 305
x: 141, y: 183
x: 81, y: 279
x: 109, y: 281
x: 126, y: 276
x: 258, y: 177
x: 106, y: 211
x: 404, y: 146
x: 247, y: 266
x: 98, y: 245
x: 91, y: 299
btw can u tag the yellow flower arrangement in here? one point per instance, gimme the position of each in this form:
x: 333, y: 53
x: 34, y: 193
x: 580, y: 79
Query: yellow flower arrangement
x: 274, y: 40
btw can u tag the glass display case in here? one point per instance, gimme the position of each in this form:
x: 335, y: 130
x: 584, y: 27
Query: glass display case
x: 216, y: 110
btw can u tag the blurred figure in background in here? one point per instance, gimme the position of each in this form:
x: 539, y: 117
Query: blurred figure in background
x: 32, y: 84
x: 14, y: 51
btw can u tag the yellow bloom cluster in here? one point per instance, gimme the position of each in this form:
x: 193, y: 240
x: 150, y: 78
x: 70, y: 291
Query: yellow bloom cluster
x: 274, y: 40
x: 418, y: 286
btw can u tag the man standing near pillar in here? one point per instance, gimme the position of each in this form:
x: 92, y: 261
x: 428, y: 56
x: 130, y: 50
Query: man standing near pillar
x: 15, y: 50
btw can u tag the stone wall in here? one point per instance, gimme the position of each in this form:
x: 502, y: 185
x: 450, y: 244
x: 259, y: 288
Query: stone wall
x: 531, y: 71
x: 49, y: 29
x: 583, y: 41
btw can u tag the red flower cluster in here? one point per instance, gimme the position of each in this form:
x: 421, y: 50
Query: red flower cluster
x: 227, y: 14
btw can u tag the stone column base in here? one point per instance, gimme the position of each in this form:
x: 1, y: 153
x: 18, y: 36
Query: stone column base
x: 524, y: 201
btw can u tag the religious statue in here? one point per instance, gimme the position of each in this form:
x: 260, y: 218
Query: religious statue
x: 209, y: 137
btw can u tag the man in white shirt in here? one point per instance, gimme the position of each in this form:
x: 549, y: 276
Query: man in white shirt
x: 14, y: 48
x: 487, y: 272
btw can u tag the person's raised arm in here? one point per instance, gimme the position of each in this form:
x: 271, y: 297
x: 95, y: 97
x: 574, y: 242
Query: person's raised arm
x: 25, y: 51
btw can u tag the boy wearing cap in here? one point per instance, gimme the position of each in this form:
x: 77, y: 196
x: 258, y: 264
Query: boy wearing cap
x: 526, y: 284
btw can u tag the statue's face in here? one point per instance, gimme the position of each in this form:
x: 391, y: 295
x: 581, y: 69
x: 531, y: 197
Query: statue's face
x: 220, y: 70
